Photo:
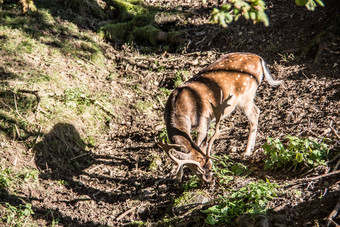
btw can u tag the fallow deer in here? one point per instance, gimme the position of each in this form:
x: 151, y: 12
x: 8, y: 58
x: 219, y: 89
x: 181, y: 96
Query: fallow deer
x: 212, y: 95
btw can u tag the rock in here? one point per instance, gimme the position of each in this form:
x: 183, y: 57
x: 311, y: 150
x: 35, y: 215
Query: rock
x: 189, y: 200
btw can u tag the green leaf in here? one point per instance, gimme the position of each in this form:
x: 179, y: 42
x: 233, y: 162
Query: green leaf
x: 252, y: 16
x: 211, y: 220
x: 301, y: 2
x: 299, y: 157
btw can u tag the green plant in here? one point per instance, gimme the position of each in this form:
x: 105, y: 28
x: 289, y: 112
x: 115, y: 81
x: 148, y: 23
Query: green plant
x: 309, y: 4
x: 28, y: 174
x: 191, y: 184
x: 297, y: 151
x: 76, y: 96
x: 8, y: 177
x: 178, y: 79
x: 17, y: 215
x: 251, y: 199
x: 5, y: 178
x: 251, y: 9
x: 163, y: 135
x: 143, y: 106
x: 226, y: 168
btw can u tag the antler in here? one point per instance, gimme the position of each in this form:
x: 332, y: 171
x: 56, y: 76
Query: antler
x: 218, y: 112
x: 172, y: 147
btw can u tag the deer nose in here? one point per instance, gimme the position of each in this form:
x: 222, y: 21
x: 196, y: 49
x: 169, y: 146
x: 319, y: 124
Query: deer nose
x: 207, y: 177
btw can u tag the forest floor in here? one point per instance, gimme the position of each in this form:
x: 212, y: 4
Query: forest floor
x: 80, y: 116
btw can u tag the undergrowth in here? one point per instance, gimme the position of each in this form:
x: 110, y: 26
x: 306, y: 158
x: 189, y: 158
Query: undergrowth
x: 226, y: 169
x: 15, y: 214
x: 252, y: 199
x: 295, y: 152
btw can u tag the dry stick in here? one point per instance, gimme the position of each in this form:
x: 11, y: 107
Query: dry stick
x: 35, y: 92
x: 126, y: 213
x: 336, y: 166
x: 16, y: 105
x: 334, y: 131
x: 96, y: 167
x: 104, y: 108
x: 313, y: 178
x: 335, y: 158
x: 79, y: 156
x: 17, y: 130
x: 160, y: 102
x: 35, y: 143
x: 333, y: 214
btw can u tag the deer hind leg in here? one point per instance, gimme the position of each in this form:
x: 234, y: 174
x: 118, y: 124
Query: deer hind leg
x: 252, y: 112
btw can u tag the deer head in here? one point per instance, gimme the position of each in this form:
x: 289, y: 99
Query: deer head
x: 212, y: 95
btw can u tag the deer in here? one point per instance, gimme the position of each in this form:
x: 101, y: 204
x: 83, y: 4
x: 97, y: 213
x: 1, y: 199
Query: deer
x: 212, y: 95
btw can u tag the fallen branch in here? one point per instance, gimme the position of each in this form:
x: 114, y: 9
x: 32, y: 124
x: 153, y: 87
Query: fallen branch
x: 104, y: 108
x: 126, y: 213
x: 79, y: 156
x: 333, y: 214
x: 336, y: 166
x: 16, y: 105
x: 96, y: 167
x: 313, y: 178
x: 335, y: 158
x: 33, y: 146
x: 334, y: 131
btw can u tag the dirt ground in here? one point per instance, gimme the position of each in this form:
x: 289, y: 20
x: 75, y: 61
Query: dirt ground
x: 112, y: 183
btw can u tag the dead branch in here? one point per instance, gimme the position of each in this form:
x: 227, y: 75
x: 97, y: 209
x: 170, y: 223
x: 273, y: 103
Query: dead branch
x: 334, y: 131
x: 79, y: 156
x: 96, y: 167
x: 16, y: 105
x: 35, y: 143
x: 335, y: 158
x: 313, y: 178
x: 126, y: 213
x: 333, y: 214
x: 104, y: 108
x: 336, y: 166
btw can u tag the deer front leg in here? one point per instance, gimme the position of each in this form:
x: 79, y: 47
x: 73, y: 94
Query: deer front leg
x: 252, y: 112
x: 202, y: 134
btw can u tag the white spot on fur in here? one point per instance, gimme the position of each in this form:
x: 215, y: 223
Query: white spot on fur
x: 245, y: 67
x: 244, y: 84
x: 236, y: 78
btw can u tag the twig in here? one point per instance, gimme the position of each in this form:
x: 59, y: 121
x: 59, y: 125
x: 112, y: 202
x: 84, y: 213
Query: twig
x: 96, y: 167
x: 6, y: 105
x: 333, y: 214
x: 104, y: 108
x: 35, y: 143
x: 35, y: 92
x: 79, y: 156
x: 17, y: 130
x: 313, y: 178
x: 336, y: 166
x: 16, y: 105
x: 126, y: 213
x: 160, y: 102
x: 334, y: 131
x: 335, y: 158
